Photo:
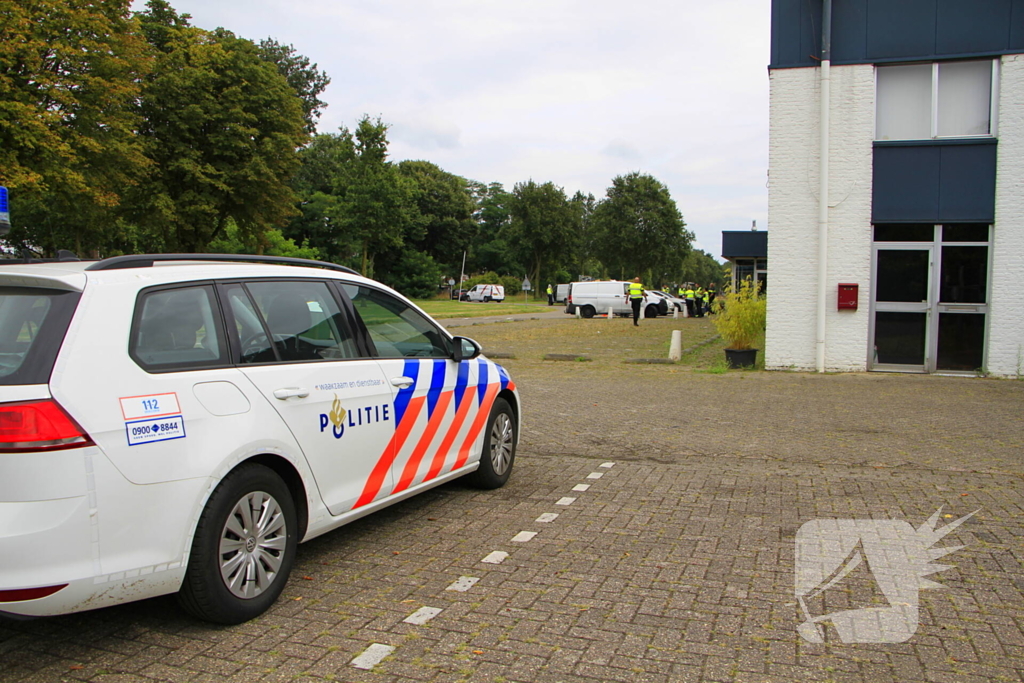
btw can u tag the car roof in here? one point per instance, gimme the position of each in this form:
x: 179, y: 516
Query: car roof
x: 74, y: 275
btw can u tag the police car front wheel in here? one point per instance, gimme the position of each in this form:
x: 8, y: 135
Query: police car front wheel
x: 499, y: 451
x: 243, y: 548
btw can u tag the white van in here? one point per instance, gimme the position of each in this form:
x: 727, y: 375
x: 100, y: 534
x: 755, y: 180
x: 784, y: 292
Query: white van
x: 485, y: 293
x: 597, y: 296
x: 561, y: 294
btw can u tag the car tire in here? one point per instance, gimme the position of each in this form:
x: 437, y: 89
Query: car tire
x: 651, y: 311
x: 499, y: 449
x: 217, y: 589
x: 587, y: 311
x: 487, y: 299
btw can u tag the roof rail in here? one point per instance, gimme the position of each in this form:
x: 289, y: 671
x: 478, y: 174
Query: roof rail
x: 148, y: 260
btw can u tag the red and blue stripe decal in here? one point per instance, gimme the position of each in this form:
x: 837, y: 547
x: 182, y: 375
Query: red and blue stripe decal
x: 436, y: 414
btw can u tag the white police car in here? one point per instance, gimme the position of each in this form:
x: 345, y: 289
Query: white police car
x: 178, y: 423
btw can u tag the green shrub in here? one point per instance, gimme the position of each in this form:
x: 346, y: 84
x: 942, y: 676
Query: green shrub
x: 740, y: 316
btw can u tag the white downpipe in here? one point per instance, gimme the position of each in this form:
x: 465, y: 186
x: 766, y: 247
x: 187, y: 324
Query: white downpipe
x: 823, y: 214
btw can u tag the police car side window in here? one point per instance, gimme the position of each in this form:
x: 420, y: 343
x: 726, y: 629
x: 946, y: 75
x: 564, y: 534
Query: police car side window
x: 177, y: 329
x: 397, y: 330
x: 303, y: 319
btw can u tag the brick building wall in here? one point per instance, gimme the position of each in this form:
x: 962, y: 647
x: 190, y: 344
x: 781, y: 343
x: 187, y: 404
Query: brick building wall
x: 1006, y: 318
x: 793, y: 160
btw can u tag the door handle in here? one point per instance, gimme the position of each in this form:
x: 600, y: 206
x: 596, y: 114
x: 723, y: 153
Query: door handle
x: 402, y: 382
x: 290, y: 392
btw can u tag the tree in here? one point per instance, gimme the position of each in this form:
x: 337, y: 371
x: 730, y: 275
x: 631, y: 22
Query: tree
x: 322, y: 165
x: 305, y: 79
x: 222, y: 126
x: 272, y: 243
x: 373, y: 201
x: 441, y: 223
x: 69, y: 87
x: 702, y: 268
x: 543, y: 228
x: 490, y: 249
x: 583, y: 260
x: 639, y: 229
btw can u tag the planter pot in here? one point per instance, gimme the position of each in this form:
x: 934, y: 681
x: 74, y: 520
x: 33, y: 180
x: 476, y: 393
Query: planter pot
x: 741, y: 358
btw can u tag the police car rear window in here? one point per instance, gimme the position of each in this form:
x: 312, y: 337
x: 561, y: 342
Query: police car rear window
x: 33, y: 322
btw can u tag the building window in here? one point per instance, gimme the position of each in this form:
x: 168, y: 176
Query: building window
x: 938, y: 100
x: 753, y: 269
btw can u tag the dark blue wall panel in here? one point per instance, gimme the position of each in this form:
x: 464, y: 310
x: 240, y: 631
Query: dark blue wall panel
x: 899, y: 29
x: 794, y: 38
x: 966, y: 28
x: 905, y: 185
x: 967, y: 183
x: 744, y: 244
x: 868, y: 31
x: 849, y: 28
x: 934, y: 183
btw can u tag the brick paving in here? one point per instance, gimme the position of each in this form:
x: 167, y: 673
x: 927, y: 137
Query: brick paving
x: 675, y: 565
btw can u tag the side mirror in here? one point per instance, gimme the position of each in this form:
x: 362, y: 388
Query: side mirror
x: 465, y: 349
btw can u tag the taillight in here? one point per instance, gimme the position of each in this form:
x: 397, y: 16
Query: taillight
x: 38, y: 426
x: 22, y: 594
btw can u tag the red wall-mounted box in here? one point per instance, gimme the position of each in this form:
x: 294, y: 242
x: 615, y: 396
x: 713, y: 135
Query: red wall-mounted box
x: 848, y: 295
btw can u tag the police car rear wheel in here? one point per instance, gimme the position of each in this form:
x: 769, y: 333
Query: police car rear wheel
x: 651, y: 311
x: 499, y: 451
x: 243, y: 548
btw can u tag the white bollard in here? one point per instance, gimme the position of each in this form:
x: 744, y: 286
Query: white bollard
x: 643, y: 311
x: 675, y: 349
x: 675, y: 313
x: 578, y: 314
x: 611, y: 313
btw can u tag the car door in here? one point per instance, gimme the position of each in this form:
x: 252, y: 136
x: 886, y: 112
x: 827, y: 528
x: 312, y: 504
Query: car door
x: 296, y: 346
x: 441, y: 405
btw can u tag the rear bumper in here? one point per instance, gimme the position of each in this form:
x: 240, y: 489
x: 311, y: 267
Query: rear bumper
x: 51, y: 505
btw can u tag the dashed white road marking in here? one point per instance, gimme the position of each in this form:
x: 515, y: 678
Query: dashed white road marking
x: 422, y: 615
x: 607, y: 464
x: 372, y: 656
x: 497, y: 557
x: 565, y: 501
x: 523, y: 536
x: 463, y: 584
x: 547, y: 517
x: 581, y: 487
x: 595, y: 475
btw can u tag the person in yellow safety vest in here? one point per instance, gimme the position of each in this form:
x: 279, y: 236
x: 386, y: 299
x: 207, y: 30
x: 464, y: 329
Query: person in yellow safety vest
x: 711, y: 297
x: 688, y: 294
x: 707, y: 302
x: 698, y: 301
x: 551, y: 296
x: 636, y: 298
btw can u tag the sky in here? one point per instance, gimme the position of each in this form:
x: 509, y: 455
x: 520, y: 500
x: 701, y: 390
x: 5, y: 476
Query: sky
x: 575, y: 92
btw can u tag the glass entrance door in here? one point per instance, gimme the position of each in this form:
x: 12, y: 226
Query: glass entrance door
x: 902, y: 307
x: 929, y: 297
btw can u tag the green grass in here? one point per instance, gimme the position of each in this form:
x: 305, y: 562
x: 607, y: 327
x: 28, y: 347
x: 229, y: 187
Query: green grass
x: 470, y: 309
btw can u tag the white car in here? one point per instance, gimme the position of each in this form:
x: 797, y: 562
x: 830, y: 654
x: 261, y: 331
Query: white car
x: 178, y: 423
x: 485, y: 293
x: 673, y: 301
